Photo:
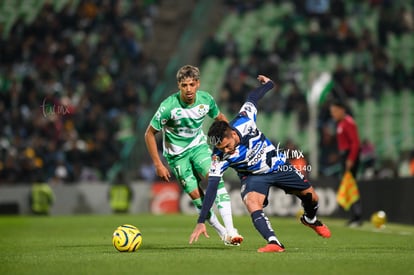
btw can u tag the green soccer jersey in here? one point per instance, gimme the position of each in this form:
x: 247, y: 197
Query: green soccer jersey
x: 181, y: 123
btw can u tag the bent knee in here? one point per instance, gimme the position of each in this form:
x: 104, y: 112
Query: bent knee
x: 254, y: 201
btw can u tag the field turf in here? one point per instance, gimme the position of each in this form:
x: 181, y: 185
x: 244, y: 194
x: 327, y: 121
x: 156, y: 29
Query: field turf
x: 82, y: 245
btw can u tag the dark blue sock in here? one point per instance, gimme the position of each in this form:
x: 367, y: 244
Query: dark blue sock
x: 262, y: 224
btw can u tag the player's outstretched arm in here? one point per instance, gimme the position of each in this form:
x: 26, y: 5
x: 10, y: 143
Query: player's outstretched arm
x: 209, y: 198
x: 260, y: 91
x: 198, y: 230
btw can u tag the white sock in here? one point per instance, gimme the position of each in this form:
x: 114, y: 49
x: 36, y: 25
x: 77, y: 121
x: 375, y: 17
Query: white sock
x: 273, y: 238
x: 214, y: 222
x: 311, y: 221
x: 224, y: 208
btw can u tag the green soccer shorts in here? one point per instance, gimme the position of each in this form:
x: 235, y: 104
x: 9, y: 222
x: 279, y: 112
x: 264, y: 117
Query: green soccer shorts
x: 192, y: 166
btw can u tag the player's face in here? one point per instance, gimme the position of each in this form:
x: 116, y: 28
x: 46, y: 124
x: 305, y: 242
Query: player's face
x: 188, y: 88
x: 229, y: 143
x: 337, y: 113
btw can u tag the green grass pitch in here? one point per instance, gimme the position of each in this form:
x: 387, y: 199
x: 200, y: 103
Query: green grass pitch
x: 82, y: 245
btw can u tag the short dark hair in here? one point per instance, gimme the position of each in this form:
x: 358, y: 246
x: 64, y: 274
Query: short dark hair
x: 339, y: 103
x: 343, y: 105
x: 217, y: 131
x: 188, y: 71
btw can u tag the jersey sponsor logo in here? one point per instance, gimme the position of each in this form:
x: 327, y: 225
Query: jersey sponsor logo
x: 257, y: 157
x: 187, y: 131
x: 215, y: 166
x: 177, y: 113
x: 202, y: 111
x: 253, y: 151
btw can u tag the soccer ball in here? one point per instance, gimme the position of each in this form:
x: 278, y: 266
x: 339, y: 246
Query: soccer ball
x: 127, y: 238
x: 378, y: 219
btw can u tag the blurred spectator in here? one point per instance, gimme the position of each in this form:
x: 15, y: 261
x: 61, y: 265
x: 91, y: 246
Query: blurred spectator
x: 253, y: 67
x: 364, y: 85
x: 258, y: 51
x: 41, y: 195
x: 236, y: 90
x: 407, y: 19
x: 400, y: 77
x: 120, y: 195
x: 384, y: 26
x: 404, y: 165
x: 65, y: 82
x: 411, y: 79
x: 211, y: 48
x: 288, y: 44
x: 368, y: 159
x: 337, y: 8
x: 231, y: 47
x: 147, y: 170
x: 329, y: 158
x: 295, y: 102
x: 316, y: 7
x: 387, y: 169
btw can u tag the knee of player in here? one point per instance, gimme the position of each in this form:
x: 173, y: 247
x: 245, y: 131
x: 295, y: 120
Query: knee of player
x: 195, y: 194
x: 309, y: 195
x: 314, y: 195
x: 253, y: 200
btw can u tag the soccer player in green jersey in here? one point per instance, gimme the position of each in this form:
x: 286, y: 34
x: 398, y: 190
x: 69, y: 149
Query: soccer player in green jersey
x: 180, y: 117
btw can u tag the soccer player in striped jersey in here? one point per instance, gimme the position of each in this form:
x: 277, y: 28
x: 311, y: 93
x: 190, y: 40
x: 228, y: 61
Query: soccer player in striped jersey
x: 180, y: 117
x: 260, y: 165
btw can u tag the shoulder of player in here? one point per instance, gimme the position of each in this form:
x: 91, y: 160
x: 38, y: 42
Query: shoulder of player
x: 349, y: 120
x: 171, y: 100
x: 204, y: 94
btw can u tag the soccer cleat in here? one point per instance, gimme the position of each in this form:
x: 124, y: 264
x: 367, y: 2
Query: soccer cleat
x: 271, y: 247
x: 320, y: 229
x: 234, y: 240
x: 356, y: 222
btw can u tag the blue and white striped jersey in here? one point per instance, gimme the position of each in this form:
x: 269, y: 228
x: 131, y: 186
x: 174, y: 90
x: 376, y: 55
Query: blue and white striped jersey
x: 254, y: 155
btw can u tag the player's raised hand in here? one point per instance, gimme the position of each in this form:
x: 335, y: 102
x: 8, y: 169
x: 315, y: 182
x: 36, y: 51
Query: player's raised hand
x: 263, y: 79
x: 198, y: 230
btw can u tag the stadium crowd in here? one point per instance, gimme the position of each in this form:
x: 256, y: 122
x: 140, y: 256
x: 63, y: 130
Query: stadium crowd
x: 329, y: 32
x: 72, y: 85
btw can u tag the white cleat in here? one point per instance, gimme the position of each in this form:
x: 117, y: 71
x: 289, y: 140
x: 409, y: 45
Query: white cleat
x: 233, y: 240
